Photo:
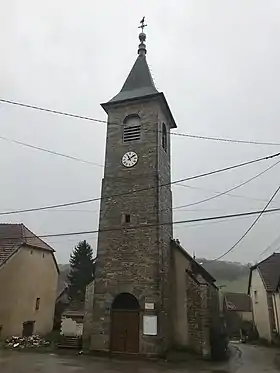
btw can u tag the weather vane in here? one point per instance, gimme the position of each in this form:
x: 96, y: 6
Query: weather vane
x: 142, y: 26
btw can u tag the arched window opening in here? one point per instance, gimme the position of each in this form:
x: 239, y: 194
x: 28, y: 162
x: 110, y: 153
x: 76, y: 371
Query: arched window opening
x: 125, y: 301
x: 132, y: 128
x: 164, y: 137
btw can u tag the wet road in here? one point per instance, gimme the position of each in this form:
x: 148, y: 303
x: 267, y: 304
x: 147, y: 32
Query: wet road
x: 246, y: 359
x: 256, y: 359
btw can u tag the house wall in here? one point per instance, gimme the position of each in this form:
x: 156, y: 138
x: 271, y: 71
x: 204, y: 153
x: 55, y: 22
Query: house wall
x: 196, y: 306
x: 198, y: 316
x: 246, y: 316
x: 235, y: 319
x: 276, y: 309
x: 179, y: 293
x: 260, y: 306
x: 29, y: 274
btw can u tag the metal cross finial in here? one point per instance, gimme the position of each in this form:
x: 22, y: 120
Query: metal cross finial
x: 142, y: 26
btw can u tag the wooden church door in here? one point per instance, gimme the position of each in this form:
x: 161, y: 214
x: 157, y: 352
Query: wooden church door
x: 125, y: 324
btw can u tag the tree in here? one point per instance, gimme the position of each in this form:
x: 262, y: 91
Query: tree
x: 82, y: 268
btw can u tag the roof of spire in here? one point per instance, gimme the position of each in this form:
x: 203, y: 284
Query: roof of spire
x: 139, y: 82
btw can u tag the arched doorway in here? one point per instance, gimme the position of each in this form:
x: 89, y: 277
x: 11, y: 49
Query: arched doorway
x: 125, y: 324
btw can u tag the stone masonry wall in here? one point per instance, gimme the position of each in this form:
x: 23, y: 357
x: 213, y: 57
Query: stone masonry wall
x: 89, y: 299
x: 194, y: 314
x: 134, y: 260
x: 201, y: 313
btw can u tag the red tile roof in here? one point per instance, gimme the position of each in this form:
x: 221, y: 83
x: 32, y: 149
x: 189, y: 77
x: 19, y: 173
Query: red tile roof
x: 13, y: 236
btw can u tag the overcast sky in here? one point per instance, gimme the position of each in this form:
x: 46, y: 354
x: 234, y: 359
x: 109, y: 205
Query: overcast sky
x: 216, y: 61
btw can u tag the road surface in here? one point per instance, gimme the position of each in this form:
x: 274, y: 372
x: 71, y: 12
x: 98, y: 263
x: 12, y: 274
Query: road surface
x: 246, y: 359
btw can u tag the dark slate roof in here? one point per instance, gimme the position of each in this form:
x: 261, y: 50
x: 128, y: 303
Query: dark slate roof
x: 238, y: 302
x: 140, y: 85
x: 13, y: 236
x: 139, y: 82
x: 269, y: 270
x: 196, y: 267
x: 6, y: 252
x: 74, y: 308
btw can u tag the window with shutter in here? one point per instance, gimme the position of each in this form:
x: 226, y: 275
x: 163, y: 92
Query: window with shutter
x: 132, y: 128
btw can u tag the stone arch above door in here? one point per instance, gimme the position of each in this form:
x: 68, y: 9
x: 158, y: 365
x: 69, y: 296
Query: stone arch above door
x: 125, y: 321
x: 125, y: 301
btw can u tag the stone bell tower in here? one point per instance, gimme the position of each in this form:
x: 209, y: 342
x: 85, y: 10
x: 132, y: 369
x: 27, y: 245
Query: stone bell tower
x: 131, y: 310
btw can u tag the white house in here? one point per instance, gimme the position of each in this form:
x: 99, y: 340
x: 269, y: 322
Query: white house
x: 264, y: 291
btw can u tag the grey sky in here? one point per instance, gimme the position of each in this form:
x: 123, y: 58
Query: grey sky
x: 217, y: 63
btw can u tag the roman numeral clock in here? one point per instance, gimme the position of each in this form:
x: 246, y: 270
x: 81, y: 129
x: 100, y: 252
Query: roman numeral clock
x: 129, y: 159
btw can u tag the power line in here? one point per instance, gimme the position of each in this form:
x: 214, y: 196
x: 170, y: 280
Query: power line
x: 228, y: 190
x: 270, y: 246
x: 64, y: 113
x: 230, y: 195
x: 145, y: 226
x: 143, y: 189
x: 200, y: 137
x: 100, y: 165
x: 191, y: 226
x: 250, y: 227
x: 49, y: 151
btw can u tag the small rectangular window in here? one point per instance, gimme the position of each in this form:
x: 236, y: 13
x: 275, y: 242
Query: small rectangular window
x: 127, y: 218
x: 164, y: 137
x: 256, y: 296
x: 37, y: 306
x: 131, y: 133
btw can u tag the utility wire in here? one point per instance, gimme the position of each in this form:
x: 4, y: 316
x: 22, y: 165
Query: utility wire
x: 250, y: 227
x: 212, y: 138
x: 49, y: 151
x: 100, y: 165
x: 200, y: 137
x: 270, y: 246
x: 146, y: 226
x: 142, y: 189
x: 230, y: 195
x: 228, y: 190
x: 191, y: 226
x: 52, y: 111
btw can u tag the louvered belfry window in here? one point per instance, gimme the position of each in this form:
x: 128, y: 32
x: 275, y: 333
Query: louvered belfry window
x: 132, y: 128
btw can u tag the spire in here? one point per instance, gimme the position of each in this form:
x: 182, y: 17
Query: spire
x: 142, y: 37
x: 139, y: 82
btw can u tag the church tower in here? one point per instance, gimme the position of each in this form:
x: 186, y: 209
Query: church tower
x: 131, y: 310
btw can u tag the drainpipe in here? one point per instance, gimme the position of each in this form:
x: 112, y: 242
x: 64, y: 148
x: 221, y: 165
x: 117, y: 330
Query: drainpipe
x: 276, y: 312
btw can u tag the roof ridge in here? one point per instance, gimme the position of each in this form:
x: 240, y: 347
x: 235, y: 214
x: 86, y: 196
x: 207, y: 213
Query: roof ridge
x: 33, y: 235
x: 257, y: 264
x: 23, y: 232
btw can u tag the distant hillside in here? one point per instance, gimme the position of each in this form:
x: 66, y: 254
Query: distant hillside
x: 64, y: 267
x: 230, y: 276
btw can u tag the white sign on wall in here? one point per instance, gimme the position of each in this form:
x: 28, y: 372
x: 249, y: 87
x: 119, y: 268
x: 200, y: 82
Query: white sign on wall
x: 150, y: 325
x: 149, y: 306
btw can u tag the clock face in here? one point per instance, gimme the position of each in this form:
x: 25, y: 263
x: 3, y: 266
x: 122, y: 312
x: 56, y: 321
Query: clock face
x: 129, y: 159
